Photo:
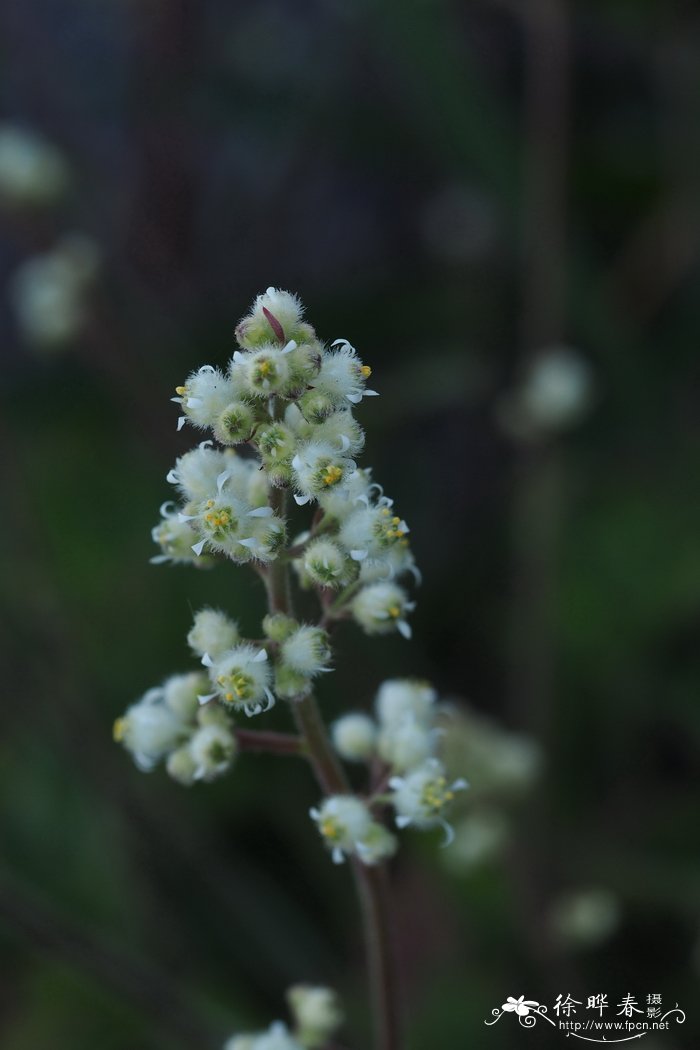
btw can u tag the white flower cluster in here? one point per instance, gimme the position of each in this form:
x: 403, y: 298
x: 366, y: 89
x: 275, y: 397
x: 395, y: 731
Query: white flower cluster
x: 316, y: 1014
x: 283, y: 412
x: 404, y: 737
x: 167, y: 723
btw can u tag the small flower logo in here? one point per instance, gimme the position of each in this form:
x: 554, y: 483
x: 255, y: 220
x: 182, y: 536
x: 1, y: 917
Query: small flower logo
x: 520, y: 1006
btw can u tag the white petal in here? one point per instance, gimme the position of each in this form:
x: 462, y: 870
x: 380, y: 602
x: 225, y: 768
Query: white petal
x: 402, y: 822
x: 449, y: 834
x: 260, y: 657
x: 238, y: 357
x: 354, y: 399
x: 222, y: 478
x: 165, y: 508
x: 371, y: 393
x: 358, y: 555
x: 296, y: 462
x: 207, y: 698
x: 207, y: 660
x: 261, y: 512
x: 198, y: 547
x: 158, y: 559
x: 291, y: 345
x: 301, y: 501
x: 337, y: 855
x: 271, y: 701
x: 251, y: 543
x: 172, y: 477
x: 181, y: 422
x: 404, y: 629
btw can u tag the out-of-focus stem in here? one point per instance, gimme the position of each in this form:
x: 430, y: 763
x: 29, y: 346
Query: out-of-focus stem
x: 370, y: 881
x: 272, y: 743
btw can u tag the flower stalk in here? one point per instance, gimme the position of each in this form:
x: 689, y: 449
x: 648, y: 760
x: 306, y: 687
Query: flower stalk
x: 283, y: 418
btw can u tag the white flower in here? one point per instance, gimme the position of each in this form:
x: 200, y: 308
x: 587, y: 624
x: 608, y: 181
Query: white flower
x: 213, y: 748
x: 316, y: 1013
x: 212, y: 632
x: 175, y: 538
x: 32, y: 171
x: 342, y: 376
x: 241, y: 679
x: 401, y: 698
x: 557, y: 391
x: 356, y: 491
x: 381, y: 608
x: 205, y: 395
x: 344, y: 821
x: 150, y: 729
x: 317, y: 467
x: 197, y: 472
x: 371, y: 532
x: 354, y: 736
x: 265, y: 371
x: 422, y: 795
x: 306, y: 651
x: 49, y: 292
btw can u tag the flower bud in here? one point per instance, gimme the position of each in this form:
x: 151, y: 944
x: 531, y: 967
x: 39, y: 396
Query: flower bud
x: 235, y: 424
x: 378, y: 844
x: 316, y: 1012
x: 181, y: 766
x: 212, y: 632
x: 278, y: 627
x: 354, y: 736
x: 275, y: 315
x: 326, y: 565
x: 402, y: 698
x: 213, y: 748
x: 180, y: 694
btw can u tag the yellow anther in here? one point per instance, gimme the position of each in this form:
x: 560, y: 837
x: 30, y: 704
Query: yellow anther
x: 264, y: 368
x: 210, y: 502
x: 119, y: 729
x: 333, y: 474
x: 329, y: 829
x: 385, y: 510
x: 396, y: 520
x: 181, y: 390
x: 394, y: 612
x: 229, y: 697
x: 366, y: 371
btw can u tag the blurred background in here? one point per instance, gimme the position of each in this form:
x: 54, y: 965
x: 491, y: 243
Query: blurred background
x: 497, y: 203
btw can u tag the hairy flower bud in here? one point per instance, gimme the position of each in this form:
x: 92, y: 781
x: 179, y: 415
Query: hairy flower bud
x: 354, y: 736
